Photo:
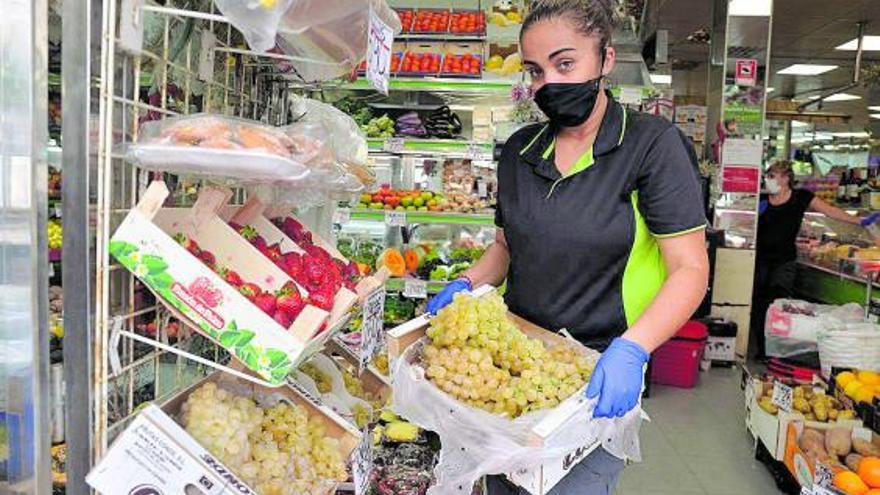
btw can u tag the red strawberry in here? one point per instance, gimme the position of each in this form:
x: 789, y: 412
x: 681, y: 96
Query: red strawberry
x: 283, y: 319
x: 289, y: 301
x: 289, y: 286
x: 187, y: 243
x: 252, y: 236
x: 250, y: 290
x: 317, y: 252
x: 233, y: 278
x: 315, y: 272
x: 207, y: 258
x: 273, y: 252
x: 322, y: 299
x: 236, y: 226
x: 293, y: 264
x: 351, y: 270
x: 266, y: 302
x: 290, y: 224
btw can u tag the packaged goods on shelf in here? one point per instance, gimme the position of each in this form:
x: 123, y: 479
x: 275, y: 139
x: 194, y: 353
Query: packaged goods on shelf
x: 209, y: 278
x: 214, y: 145
x: 484, y: 388
x: 234, y: 435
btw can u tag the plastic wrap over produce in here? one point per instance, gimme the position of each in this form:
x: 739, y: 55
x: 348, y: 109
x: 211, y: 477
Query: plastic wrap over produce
x: 332, y: 126
x: 476, y: 442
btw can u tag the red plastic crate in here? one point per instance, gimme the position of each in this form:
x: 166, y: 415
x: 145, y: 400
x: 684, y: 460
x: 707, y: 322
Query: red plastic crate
x: 677, y: 362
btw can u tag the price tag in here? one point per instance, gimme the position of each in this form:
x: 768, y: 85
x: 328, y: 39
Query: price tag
x: 631, y: 95
x: 362, y: 464
x: 474, y: 151
x: 821, y: 490
x: 482, y: 189
x: 51, y: 269
x: 415, y: 288
x: 395, y: 218
x: 341, y: 216
x: 380, y: 38
x: 806, y: 491
x: 394, y: 145
x: 372, y: 327
x: 58, y: 211
x: 782, y: 396
x: 823, y: 477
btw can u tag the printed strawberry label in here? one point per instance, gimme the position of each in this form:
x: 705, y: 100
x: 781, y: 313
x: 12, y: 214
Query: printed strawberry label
x: 198, y: 304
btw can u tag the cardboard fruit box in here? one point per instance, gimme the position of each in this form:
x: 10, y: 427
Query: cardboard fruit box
x: 143, y: 243
x: 542, y: 477
x: 155, y: 451
x: 803, y: 466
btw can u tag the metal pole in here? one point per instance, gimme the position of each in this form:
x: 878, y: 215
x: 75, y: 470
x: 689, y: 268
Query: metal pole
x: 80, y: 59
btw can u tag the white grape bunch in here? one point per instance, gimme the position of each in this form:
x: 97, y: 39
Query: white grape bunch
x: 279, y: 450
x: 479, y: 356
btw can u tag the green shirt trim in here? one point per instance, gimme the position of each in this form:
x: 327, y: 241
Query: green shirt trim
x: 645, y: 270
x: 584, y: 162
x: 681, y: 232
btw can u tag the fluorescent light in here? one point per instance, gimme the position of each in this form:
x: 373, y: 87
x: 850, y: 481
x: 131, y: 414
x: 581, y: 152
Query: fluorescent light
x: 876, y: 109
x: 838, y: 97
x: 807, y: 69
x: 875, y: 115
x: 750, y: 7
x: 661, y: 78
x: 869, y: 43
x: 860, y: 134
x: 798, y: 123
x: 770, y: 89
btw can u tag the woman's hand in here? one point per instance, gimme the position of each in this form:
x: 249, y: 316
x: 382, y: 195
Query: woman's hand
x: 617, y: 379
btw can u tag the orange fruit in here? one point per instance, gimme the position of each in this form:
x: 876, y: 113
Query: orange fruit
x: 873, y: 491
x: 869, y: 471
x: 849, y: 483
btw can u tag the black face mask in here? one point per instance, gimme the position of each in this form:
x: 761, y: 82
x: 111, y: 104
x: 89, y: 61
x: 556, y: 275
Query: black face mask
x: 568, y: 104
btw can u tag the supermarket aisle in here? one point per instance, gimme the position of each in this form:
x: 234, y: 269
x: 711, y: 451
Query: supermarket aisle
x: 697, y: 443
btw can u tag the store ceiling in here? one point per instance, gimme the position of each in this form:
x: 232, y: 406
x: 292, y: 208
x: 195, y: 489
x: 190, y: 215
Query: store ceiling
x: 804, y: 31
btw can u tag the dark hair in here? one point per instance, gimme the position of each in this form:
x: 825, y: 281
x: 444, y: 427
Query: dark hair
x: 783, y: 167
x: 589, y: 17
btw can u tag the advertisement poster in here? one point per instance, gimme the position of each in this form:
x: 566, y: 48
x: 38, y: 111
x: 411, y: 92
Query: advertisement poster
x: 691, y: 119
x: 746, y: 72
x: 743, y: 111
x: 738, y: 179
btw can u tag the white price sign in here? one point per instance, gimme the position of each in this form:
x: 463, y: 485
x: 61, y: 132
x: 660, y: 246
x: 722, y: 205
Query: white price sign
x: 380, y: 38
x: 372, y: 327
x: 394, y: 145
x: 783, y: 395
x: 482, y: 189
x: 415, y: 288
x: 395, y: 218
x: 362, y: 463
x: 821, y: 490
x: 474, y: 151
x: 341, y: 216
x: 823, y: 477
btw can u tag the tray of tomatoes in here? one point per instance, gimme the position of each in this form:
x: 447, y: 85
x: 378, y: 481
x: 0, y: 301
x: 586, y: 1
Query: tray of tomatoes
x: 406, y: 17
x: 467, y: 22
x: 396, y: 58
x: 466, y: 65
x: 420, y: 64
x: 431, y: 21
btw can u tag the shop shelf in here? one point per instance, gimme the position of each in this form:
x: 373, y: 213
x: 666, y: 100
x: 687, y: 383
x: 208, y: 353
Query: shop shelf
x: 438, y: 85
x: 396, y: 285
x: 412, y: 217
x: 453, y: 146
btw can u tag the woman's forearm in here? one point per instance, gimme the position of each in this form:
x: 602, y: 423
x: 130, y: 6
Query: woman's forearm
x: 677, y: 300
x: 492, y: 266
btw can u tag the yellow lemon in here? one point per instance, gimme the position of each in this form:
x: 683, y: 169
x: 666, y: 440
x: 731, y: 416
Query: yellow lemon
x: 498, y: 19
x: 864, y: 394
x: 845, y: 378
x: 869, y: 377
x: 514, y: 17
x: 852, y: 388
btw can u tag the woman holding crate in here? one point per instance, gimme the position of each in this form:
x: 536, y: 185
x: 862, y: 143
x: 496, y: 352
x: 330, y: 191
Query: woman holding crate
x: 600, y: 223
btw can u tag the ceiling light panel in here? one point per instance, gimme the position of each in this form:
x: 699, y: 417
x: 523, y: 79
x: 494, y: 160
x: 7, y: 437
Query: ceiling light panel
x: 869, y: 43
x: 661, y: 79
x: 807, y: 69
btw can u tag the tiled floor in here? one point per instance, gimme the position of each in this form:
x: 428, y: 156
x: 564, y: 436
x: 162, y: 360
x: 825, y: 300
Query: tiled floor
x: 697, y: 443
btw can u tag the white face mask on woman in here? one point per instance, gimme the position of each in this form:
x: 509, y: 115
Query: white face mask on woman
x: 773, y: 186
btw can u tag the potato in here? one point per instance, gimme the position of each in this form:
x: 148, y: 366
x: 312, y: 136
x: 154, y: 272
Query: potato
x: 852, y: 462
x: 810, y: 417
x: 838, y: 441
x: 812, y: 441
x: 846, y: 414
x: 801, y: 404
x: 832, y: 414
x: 865, y: 447
x: 798, y: 393
x: 767, y: 388
x: 821, y: 412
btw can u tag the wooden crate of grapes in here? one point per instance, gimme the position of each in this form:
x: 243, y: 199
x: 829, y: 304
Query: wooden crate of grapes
x: 485, y: 357
x: 229, y: 436
x: 222, y: 286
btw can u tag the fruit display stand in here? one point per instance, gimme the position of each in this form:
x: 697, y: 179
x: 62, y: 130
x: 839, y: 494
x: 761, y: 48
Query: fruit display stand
x: 143, y: 244
x: 155, y: 450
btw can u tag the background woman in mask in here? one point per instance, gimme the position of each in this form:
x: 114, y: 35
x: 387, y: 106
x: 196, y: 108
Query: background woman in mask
x: 781, y: 212
x: 600, y: 223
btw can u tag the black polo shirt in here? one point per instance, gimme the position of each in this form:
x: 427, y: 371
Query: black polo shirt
x: 583, y: 247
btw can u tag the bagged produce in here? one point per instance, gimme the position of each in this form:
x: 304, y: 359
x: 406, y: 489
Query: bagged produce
x: 849, y: 345
x: 330, y: 125
x: 515, y: 424
x: 215, y: 145
x: 792, y: 326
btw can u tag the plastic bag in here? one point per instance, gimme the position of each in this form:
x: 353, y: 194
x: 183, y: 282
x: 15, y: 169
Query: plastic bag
x: 792, y: 326
x: 338, y: 398
x: 332, y: 126
x: 849, y: 345
x: 206, y: 144
x: 256, y: 19
x: 476, y: 443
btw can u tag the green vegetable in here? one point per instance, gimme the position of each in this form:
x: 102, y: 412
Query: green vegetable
x: 440, y: 273
x: 457, y: 269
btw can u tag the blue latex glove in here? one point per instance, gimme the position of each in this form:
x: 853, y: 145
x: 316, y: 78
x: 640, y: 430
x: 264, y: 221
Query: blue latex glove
x: 617, y: 379
x: 444, y: 297
x: 870, y: 219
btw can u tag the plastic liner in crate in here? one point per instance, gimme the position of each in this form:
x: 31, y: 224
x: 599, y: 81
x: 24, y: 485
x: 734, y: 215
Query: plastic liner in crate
x: 220, y: 146
x: 476, y: 442
x: 146, y: 244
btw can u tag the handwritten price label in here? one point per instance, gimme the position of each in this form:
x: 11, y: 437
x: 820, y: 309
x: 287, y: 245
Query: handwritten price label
x: 380, y: 38
x: 395, y: 218
x: 362, y: 464
x: 822, y: 477
x: 394, y: 145
x: 341, y: 216
x: 372, y: 327
x: 783, y: 395
x: 415, y: 288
